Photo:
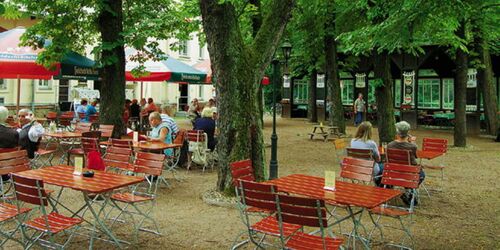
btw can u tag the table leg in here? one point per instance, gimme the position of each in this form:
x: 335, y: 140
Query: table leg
x: 355, y: 234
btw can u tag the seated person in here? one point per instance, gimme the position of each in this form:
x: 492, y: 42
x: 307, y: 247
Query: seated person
x: 9, y: 137
x: 406, y: 142
x: 82, y: 108
x: 166, y: 112
x: 363, y: 140
x: 135, y: 109
x: 91, y: 110
x: 160, y: 131
x: 207, y: 124
x: 30, y: 132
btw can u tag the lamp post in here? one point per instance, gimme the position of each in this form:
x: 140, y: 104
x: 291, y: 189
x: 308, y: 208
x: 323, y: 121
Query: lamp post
x: 273, y: 164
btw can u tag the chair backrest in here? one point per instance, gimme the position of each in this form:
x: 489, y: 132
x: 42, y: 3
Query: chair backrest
x: 258, y: 195
x: 81, y: 115
x: 398, y: 156
x: 93, y: 118
x: 435, y: 145
x: 120, y: 143
x: 5, y: 150
x: 90, y: 144
x: 51, y: 115
x: 359, y: 153
x: 83, y: 127
x: 14, y: 161
x: 30, y: 190
x: 65, y: 120
x: 357, y: 169
x: 107, y: 130
x: 302, y: 211
x: 118, y: 158
x: 180, y: 137
x: 242, y: 170
x: 149, y: 163
x: 195, y: 135
x: 406, y: 176
x: 91, y: 134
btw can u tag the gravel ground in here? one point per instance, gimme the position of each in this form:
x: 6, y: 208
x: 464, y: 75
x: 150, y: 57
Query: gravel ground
x: 464, y: 216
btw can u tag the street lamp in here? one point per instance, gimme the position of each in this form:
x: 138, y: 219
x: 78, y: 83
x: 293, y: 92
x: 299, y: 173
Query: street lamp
x: 273, y: 164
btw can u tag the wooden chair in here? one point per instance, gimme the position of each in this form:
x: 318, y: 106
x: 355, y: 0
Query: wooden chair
x: 88, y: 143
x: 198, y: 141
x: 262, y: 196
x: 9, y: 213
x: 303, y: 212
x: 83, y: 127
x: 12, y: 162
x: 150, y: 166
x: 241, y: 170
x: 64, y: 121
x: 51, y: 116
x: 357, y: 170
x: 172, y: 162
x: 340, y: 148
x: 435, y: 145
x: 106, y: 130
x: 94, y: 118
x: 120, y: 143
x: 405, y: 177
x: 118, y: 159
x: 359, y: 153
x: 31, y: 191
x: 398, y: 156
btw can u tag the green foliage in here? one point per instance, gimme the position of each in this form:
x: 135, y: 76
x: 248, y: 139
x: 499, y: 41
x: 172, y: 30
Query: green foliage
x: 72, y: 25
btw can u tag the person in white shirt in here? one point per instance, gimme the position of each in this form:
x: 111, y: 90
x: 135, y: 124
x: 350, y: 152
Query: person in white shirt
x: 166, y: 117
x: 30, y: 132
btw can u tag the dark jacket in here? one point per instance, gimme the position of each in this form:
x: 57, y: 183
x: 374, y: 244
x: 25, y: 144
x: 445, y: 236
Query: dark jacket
x: 135, y: 110
x: 208, y: 126
x: 26, y: 143
x: 8, y: 137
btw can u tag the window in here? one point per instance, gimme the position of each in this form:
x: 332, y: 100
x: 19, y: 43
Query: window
x: 2, y: 100
x: 397, y: 93
x: 347, y: 91
x: 448, y: 94
x: 300, y: 91
x: 428, y: 93
x: 3, y: 84
x: 201, y: 52
x: 183, y: 48
x: 371, y: 92
x: 44, y: 85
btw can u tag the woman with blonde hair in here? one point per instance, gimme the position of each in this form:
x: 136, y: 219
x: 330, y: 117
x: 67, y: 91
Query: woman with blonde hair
x: 363, y: 140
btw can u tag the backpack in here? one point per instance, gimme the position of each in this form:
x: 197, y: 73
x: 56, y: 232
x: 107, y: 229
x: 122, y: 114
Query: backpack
x: 94, y: 161
x: 199, y: 156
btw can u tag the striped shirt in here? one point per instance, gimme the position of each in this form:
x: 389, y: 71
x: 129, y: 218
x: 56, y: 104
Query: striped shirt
x: 170, y: 122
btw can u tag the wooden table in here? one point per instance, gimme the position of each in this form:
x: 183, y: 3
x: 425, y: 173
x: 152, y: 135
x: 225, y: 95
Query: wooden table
x: 347, y: 194
x: 58, y: 137
x: 147, y: 146
x: 102, y: 183
x: 325, y: 131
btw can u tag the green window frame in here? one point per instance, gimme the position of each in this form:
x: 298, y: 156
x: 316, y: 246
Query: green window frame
x: 300, y: 91
x: 347, y: 91
x: 397, y: 93
x: 448, y: 93
x: 429, y: 94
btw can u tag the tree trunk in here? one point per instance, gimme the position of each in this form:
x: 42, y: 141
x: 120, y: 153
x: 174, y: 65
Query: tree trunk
x: 488, y: 88
x: 312, y: 111
x: 336, y: 112
x: 110, y: 22
x: 238, y: 69
x: 384, y: 99
x: 460, y: 92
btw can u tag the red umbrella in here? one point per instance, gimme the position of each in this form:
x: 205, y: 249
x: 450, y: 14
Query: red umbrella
x: 20, y: 62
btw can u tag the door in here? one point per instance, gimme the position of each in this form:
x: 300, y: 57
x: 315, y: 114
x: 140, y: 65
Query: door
x: 183, y: 98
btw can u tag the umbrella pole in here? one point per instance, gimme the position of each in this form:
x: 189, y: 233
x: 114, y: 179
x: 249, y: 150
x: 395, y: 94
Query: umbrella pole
x: 18, y: 93
x: 141, y: 89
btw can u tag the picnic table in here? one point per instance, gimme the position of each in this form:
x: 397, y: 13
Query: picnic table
x: 103, y: 183
x: 59, y: 137
x: 325, y: 131
x: 346, y: 194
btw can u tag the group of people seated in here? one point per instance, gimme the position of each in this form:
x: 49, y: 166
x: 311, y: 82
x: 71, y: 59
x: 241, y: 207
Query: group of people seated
x: 88, y: 110
x: 363, y: 140
x: 204, y: 119
x: 26, y: 135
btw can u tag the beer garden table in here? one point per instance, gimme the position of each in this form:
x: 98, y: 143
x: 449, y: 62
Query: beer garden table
x: 59, y: 137
x: 102, y: 183
x: 346, y: 194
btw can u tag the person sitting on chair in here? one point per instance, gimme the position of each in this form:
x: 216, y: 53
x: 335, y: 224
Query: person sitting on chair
x: 160, y: 131
x: 91, y: 110
x: 30, y: 132
x: 363, y: 140
x: 207, y: 124
x: 9, y: 137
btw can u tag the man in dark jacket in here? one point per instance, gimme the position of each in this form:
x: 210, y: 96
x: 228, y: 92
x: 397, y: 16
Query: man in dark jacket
x: 8, y: 136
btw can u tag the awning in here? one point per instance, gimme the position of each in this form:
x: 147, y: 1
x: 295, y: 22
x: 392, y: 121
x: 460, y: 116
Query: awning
x: 205, y: 67
x: 170, y: 70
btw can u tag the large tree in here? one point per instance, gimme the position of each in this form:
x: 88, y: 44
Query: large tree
x: 238, y: 65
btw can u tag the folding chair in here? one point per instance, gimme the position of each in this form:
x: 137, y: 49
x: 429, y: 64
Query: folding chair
x: 262, y: 196
x: 31, y: 191
x: 357, y: 170
x: 405, y: 177
x: 8, y: 213
x: 51, y: 116
x: 82, y: 127
x: 117, y: 159
x: 106, y: 130
x: 81, y: 116
x: 150, y: 165
x: 64, y: 121
x: 120, y: 143
x: 435, y: 145
x: 43, y: 157
x: 401, y: 156
x: 359, y: 153
x: 198, y: 147
x: 88, y: 144
x: 173, y: 160
x: 304, y: 212
x: 11, y: 162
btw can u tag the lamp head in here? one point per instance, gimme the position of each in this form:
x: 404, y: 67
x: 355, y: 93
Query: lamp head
x: 287, y: 49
